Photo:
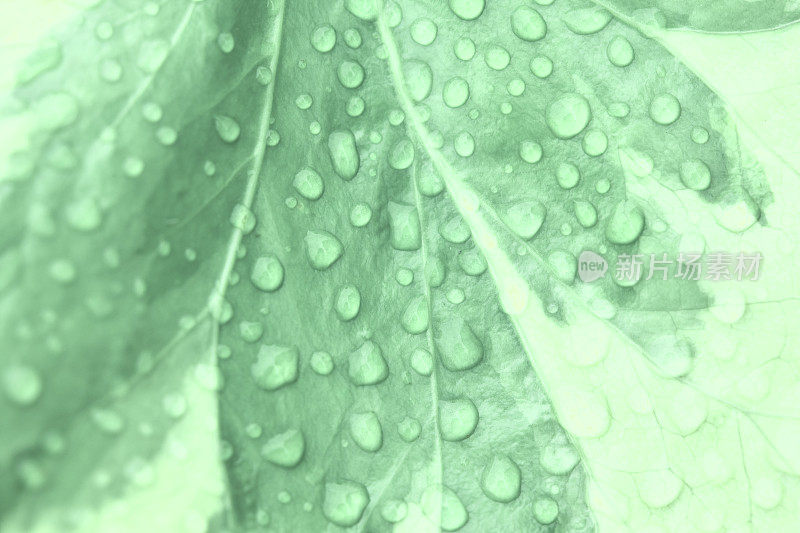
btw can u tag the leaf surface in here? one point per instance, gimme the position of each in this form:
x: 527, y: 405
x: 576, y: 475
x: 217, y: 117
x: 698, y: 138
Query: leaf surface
x: 357, y: 226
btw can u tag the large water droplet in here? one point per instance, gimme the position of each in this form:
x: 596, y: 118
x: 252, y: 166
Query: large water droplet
x: 401, y: 155
x: 528, y: 24
x: 695, y: 174
x: 459, y: 347
x: 467, y: 9
x: 275, y: 366
x: 344, y: 154
x: 285, y: 449
x: 366, y: 365
x: 415, y: 318
x: 525, y: 218
x: 568, y: 115
x: 588, y: 20
x: 404, y: 225
x: 323, y: 39
x: 665, y: 109
x: 423, y: 31
x: 348, y: 302
x: 620, y: 51
x: 345, y: 501
x: 323, y: 249
x: 350, y: 74
x: 443, y: 505
x: 22, y: 384
x: 267, y: 273
x: 419, y: 79
x: 365, y: 429
x: 626, y: 223
x: 308, y: 183
x: 501, y: 479
x: 227, y: 128
x: 455, y: 92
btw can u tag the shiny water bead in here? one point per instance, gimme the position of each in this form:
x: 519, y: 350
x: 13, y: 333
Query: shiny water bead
x: 464, y: 144
x: 409, y: 429
x: 366, y: 365
x: 344, y: 153
x: 568, y: 115
x: 275, y: 366
x: 366, y: 431
x: 528, y: 24
x: 21, y: 384
x: 497, y: 58
x: 567, y: 175
x: 352, y: 38
x: 501, y: 480
x: 351, y: 74
x: 665, y: 109
x: 323, y: 39
x: 695, y: 174
x: 619, y: 51
x: 423, y: 31
x: 308, y: 183
x: 464, y: 49
x: 467, y: 9
x: 226, y: 42
x: 455, y: 92
x: 541, y: 66
x: 348, y: 302
x: 321, y: 363
x: 530, y: 151
x: 344, y: 502
x: 285, y: 449
x: 323, y: 249
x: 594, y: 143
x: 267, y: 273
x: 515, y: 87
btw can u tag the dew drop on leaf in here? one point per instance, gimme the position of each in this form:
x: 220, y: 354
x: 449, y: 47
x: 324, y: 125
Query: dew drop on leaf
x: 275, y: 366
x: 285, y: 449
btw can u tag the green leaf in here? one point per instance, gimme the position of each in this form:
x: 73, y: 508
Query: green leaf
x: 709, y: 15
x: 356, y: 226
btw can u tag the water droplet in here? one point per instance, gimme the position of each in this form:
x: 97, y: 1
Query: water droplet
x: 455, y: 92
x: 422, y: 362
x: 56, y: 110
x: 620, y: 51
x: 107, y: 420
x: 501, y: 480
x: 472, y: 262
x: 464, y: 144
x: 454, y: 230
x: 394, y: 511
x: 352, y: 38
x: 250, y: 331
x: 563, y: 264
x: 419, y: 79
x: 594, y: 143
x: 275, y: 366
x: 665, y: 109
x: 658, y: 488
x: 558, y: 459
x: 226, y: 42
x: 348, y: 302
x: 497, y: 58
x: 242, y: 218
x: 360, y: 215
x: 152, y: 112
x: 350, y: 74
x: 695, y: 174
x: 46, y: 57
x: 264, y: 75
x: 285, y: 449
x: 525, y: 218
x: 464, y: 49
x: 443, y: 506
x: 366, y: 432
x: 174, y: 404
x: 515, y: 87
x: 541, y: 66
x: 345, y: 501
x: 355, y: 106
x: 404, y: 226
x: 104, y: 31
x: 308, y: 183
x: 530, y: 151
x: 166, y: 135
x: 586, y: 213
x: 528, y: 24
x: 110, y: 70
x: 133, y: 166
x: 467, y: 9
x: 227, y: 128
x: 459, y: 347
x: 83, y: 214
x: 415, y: 318
x: 626, y: 223
x: 568, y: 115
x: 323, y: 39
x: 267, y: 273
x: 402, y: 154
x: 62, y: 270
x: 322, y: 249
x: 409, y: 429
x: 699, y: 135
x: 367, y: 365
x: 587, y: 21
x: 322, y: 363
x: 545, y: 511
x: 423, y: 31
x: 435, y: 272
x: 344, y: 154
x: 22, y: 384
